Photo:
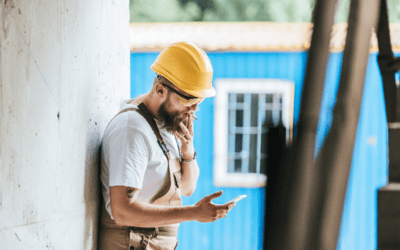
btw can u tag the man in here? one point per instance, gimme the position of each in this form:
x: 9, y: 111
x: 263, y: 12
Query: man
x: 148, y: 159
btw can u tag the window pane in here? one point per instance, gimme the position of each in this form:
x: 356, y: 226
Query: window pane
x: 254, y: 110
x: 238, y: 166
x: 239, y: 142
x: 239, y: 118
x: 240, y: 98
x: 253, y: 154
x: 268, y: 118
x: 268, y: 98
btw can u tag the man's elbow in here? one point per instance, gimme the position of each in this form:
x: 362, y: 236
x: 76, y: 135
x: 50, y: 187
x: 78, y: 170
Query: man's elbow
x: 127, y: 217
x: 188, y: 191
x: 119, y: 219
x: 122, y: 216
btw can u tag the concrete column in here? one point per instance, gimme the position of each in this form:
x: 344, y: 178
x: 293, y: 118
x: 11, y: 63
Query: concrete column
x: 64, y: 68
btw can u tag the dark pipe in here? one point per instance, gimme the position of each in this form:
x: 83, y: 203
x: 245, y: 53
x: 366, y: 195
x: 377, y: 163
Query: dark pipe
x: 289, y: 228
x: 275, y: 139
x: 336, y: 154
x: 386, y: 59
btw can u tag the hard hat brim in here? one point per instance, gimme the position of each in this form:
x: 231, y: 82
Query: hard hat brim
x: 203, y: 93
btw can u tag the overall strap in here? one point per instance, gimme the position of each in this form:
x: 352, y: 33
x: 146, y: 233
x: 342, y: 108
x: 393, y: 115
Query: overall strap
x: 144, y: 111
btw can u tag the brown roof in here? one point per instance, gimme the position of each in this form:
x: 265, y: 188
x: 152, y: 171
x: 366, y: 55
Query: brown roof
x: 244, y: 36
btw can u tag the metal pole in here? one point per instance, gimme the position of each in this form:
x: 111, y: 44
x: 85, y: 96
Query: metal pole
x: 275, y: 140
x: 388, y: 211
x: 336, y: 154
x: 289, y: 227
x: 386, y: 59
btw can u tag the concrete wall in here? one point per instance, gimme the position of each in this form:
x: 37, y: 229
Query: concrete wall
x: 64, y: 68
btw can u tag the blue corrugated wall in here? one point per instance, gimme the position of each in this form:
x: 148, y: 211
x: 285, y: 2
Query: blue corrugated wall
x: 243, y: 227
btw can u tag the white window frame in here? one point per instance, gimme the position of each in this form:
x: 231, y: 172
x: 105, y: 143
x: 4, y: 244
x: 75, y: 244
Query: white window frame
x: 224, y: 86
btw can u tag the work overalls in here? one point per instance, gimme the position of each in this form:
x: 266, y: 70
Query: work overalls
x: 113, y: 237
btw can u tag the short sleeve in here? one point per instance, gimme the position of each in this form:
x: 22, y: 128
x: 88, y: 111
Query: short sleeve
x: 129, y: 156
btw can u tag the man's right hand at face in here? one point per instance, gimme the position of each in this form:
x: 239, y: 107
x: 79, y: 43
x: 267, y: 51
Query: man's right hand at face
x: 207, y: 211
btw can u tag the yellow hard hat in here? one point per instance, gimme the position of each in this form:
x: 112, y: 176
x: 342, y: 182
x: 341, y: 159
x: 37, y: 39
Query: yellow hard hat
x: 187, y: 67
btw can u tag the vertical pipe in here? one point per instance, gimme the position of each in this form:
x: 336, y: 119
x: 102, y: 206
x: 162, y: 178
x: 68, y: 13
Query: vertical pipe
x: 292, y: 216
x: 336, y: 154
x: 275, y: 142
x: 385, y: 59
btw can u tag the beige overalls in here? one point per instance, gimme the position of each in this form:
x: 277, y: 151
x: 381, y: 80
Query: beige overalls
x: 113, y: 237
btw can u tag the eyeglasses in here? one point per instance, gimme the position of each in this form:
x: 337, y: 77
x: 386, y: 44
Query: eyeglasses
x: 185, y: 100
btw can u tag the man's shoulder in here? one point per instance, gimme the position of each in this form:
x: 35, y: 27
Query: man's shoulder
x: 131, y: 119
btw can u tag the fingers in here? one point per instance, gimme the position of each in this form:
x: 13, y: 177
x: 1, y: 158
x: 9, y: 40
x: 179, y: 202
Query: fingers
x: 226, y: 206
x: 222, y: 210
x: 214, y: 195
x: 190, y: 124
x: 180, y: 137
x: 185, y: 130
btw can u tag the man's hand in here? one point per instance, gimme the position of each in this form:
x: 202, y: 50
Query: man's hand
x: 209, y: 212
x: 187, y: 149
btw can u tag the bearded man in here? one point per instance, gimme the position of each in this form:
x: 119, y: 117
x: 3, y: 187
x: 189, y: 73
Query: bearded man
x: 148, y: 159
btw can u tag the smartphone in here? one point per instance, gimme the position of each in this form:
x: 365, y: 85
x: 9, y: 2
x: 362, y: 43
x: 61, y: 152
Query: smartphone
x: 236, y: 199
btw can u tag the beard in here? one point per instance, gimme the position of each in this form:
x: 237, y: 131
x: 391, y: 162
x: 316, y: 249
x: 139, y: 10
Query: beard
x: 170, y: 119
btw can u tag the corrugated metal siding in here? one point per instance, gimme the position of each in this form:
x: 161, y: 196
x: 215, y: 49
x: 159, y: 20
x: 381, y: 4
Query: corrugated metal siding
x: 243, y: 227
x: 369, y: 167
x: 368, y: 173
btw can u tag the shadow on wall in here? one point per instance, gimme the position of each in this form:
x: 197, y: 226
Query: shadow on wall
x: 92, y: 191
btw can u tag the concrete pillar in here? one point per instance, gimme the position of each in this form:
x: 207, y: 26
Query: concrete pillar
x: 64, y: 68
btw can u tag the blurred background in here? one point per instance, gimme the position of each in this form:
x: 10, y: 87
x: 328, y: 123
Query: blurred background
x: 258, y: 50
x: 236, y: 11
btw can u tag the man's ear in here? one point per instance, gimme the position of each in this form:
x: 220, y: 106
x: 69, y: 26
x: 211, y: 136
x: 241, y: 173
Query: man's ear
x: 160, y: 89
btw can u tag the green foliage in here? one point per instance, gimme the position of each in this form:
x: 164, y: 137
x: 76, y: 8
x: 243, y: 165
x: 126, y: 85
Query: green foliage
x: 220, y: 10
x: 394, y: 11
x: 237, y: 10
x: 162, y: 11
x: 342, y: 11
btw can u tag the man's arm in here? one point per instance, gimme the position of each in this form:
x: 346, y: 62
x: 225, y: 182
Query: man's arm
x: 127, y: 211
x: 190, y: 174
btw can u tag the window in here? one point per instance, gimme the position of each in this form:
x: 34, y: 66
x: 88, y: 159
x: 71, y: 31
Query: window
x: 244, y: 108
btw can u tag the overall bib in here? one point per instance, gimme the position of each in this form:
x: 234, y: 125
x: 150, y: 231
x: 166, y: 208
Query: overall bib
x: 113, y: 237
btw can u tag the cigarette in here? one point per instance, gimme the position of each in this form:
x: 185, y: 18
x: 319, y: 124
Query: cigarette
x: 192, y: 115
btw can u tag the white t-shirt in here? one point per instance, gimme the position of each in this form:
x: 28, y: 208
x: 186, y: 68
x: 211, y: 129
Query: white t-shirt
x: 131, y: 156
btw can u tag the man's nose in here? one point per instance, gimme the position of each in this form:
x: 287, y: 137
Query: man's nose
x: 193, y: 107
